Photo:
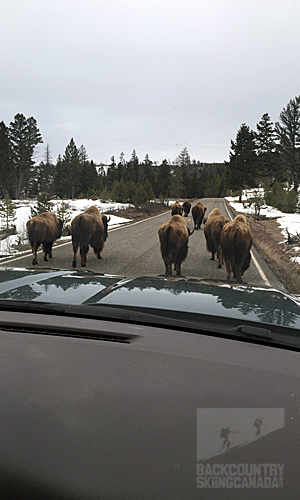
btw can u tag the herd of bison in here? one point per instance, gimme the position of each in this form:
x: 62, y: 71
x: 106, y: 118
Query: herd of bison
x: 228, y: 240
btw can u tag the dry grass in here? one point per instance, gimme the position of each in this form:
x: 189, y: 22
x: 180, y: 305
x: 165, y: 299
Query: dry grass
x: 267, y: 237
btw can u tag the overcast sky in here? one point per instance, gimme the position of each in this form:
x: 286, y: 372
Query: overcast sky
x: 154, y: 75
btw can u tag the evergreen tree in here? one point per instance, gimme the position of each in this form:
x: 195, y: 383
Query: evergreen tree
x: 288, y: 133
x: 58, y: 184
x: 119, y: 192
x: 184, y: 159
x: 132, y: 171
x: 177, y: 189
x: 242, y: 166
x: 265, y: 139
x: 6, y: 181
x: 24, y: 136
x: 44, y: 204
x: 163, y: 180
x: 47, y: 175
x: 71, y: 171
x: 7, y: 212
x: 63, y: 213
x: 121, y: 167
x: 88, y: 173
x: 112, y: 173
x: 140, y: 196
x: 149, y: 191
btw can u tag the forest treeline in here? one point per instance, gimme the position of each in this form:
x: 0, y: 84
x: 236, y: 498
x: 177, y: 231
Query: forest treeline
x: 267, y: 157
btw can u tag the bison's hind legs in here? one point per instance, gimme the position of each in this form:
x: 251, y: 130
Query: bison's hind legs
x: 228, y: 269
x: 168, y: 266
x: 178, y: 270
x: 47, y: 245
x: 35, y: 247
x: 75, y: 250
x: 220, y: 257
x: 83, y: 251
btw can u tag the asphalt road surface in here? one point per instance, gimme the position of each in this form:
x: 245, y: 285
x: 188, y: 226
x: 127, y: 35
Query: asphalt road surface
x: 134, y: 250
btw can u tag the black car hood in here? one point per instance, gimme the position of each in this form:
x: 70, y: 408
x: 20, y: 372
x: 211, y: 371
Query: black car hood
x: 169, y: 295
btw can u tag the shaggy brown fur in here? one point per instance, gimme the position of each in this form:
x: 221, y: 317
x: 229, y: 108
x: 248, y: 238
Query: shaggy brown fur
x: 212, y: 231
x: 186, y: 207
x: 174, y: 237
x: 236, y: 241
x: 88, y: 228
x: 176, y: 208
x: 43, y: 229
x: 198, y: 212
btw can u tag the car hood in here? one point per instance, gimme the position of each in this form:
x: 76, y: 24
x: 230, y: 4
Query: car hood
x: 170, y: 296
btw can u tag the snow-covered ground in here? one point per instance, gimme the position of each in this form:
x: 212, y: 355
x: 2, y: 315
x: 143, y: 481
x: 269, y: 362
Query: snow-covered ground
x: 74, y: 207
x: 290, y: 222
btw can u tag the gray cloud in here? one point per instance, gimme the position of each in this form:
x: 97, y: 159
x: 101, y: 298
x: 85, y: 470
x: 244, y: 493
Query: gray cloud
x: 151, y: 75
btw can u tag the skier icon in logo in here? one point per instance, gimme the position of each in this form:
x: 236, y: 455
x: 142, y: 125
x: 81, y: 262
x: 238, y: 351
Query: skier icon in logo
x: 225, y: 436
x: 258, y: 423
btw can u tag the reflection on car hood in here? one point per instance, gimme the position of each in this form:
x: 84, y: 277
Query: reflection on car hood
x: 169, y: 294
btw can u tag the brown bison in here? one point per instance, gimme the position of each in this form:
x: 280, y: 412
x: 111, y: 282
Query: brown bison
x: 44, y: 228
x: 212, y: 231
x: 88, y: 228
x: 174, y: 236
x: 186, y: 207
x: 176, y: 208
x: 236, y: 241
x: 198, y: 212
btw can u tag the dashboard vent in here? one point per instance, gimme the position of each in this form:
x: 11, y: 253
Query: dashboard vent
x: 103, y: 336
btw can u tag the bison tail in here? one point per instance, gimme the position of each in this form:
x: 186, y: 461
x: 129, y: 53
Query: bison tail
x: 30, y: 229
x: 165, y: 237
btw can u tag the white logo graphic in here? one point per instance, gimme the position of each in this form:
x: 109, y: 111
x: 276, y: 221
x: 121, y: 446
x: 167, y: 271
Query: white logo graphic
x: 221, y: 431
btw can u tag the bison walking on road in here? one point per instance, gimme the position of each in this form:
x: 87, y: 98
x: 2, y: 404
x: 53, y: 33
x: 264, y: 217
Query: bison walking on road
x: 176, y: 208
x: 212, y: 231
x: 186, y: 207
x: 88, y: 228
x: 174, y: 236
x: 198, y: 212
x: 236, y: 241
x: 44, y: 229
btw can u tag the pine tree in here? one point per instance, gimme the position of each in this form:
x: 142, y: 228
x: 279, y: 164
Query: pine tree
x: 70, y: 171
x: 88, y: 172
x: 288, y: 133
x: 265, y: 140
x: 184, y: 159
x: 163, y: 179
x: 176, y: 184
x: 44, y: 204
x: 242, y: 166
x: 7, y: 212
x: 63, y: 213
x: 24, y: 136
x: 6, y: 180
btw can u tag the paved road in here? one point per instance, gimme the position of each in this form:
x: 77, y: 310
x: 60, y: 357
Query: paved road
x: 134, y: 250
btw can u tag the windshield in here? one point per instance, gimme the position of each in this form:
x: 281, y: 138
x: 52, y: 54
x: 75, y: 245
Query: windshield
x: 140, y: 143
x: 149, y: 249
